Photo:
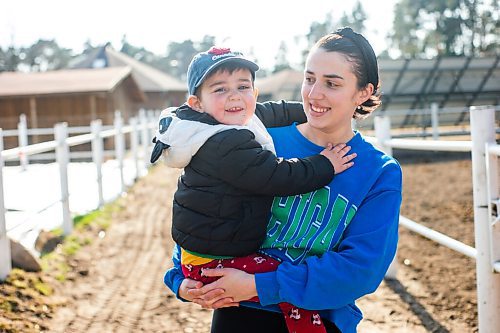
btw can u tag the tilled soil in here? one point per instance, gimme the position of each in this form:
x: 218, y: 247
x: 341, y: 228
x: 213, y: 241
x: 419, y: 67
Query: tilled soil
x: 434, y: 290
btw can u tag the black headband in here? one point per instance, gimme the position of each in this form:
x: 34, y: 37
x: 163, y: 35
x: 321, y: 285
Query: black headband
x: 367, y: 53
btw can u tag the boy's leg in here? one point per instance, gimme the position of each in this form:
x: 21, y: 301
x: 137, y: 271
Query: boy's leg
x: 297, y: 320
x: 195, y: 272
x: 301, y: 320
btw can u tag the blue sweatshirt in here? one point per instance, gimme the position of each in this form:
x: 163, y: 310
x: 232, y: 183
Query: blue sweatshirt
x: 336, y: 242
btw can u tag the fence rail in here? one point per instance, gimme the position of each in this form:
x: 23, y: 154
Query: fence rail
x: 140, y: 132
x: 483, y: 146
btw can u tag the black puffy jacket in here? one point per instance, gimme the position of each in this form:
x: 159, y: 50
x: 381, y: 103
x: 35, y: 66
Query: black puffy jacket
x: 223, y: 200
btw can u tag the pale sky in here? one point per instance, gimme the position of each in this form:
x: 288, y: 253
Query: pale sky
x: 257, y: 25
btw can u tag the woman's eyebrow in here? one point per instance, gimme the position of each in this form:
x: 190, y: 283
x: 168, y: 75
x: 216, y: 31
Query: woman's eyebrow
x: 328, y: 76
x: 333, y: 76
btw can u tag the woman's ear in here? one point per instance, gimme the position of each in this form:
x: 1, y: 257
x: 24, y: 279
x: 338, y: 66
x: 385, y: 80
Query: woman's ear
x: 195, y: 103
x: 365, y: 93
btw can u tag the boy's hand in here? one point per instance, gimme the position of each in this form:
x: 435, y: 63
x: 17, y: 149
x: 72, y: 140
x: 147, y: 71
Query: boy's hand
x: 338, y: 156
x: 186, y: 286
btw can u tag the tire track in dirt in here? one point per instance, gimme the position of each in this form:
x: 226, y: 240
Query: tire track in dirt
x: 126, y: 306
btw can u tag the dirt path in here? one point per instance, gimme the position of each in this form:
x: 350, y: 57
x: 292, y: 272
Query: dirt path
x: 123, y: 290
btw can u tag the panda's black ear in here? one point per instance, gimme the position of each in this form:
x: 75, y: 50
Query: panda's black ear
x: 164, y: 123
x: 158, y: 150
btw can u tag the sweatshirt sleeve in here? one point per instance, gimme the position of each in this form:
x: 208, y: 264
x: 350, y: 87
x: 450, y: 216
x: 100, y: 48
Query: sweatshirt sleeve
x: 239, y: 160
x: 338, y: 278
x: 282, y: 113
x: 173, y: 276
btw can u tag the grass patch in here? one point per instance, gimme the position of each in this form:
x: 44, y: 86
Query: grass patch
x: 26, y: 300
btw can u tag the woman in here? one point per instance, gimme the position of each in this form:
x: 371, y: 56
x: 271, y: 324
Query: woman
x: 335, y: 243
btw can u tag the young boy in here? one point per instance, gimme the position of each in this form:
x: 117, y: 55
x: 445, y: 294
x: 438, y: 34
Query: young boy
x: 231, y: 174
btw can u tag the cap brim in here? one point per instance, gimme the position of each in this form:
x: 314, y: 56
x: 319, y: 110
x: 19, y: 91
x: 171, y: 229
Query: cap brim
x: 242, y: 61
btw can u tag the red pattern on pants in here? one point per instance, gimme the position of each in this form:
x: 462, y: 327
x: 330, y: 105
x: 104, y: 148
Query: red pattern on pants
x: 297, y: 320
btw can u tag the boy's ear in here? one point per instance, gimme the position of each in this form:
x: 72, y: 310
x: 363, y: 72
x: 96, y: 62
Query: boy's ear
x: 194, y: 103
x: 256, y: 93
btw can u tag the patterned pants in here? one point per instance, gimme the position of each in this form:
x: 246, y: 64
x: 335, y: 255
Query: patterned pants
x: 297, y: 320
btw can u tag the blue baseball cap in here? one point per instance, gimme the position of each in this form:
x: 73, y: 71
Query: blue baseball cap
x: 205, y: 62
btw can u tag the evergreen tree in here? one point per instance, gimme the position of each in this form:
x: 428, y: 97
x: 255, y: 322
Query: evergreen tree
x: 281, y: 59
x: 9, y: 59
x: 44, y: 55
x: 446, y: 27
x: 355, y: 20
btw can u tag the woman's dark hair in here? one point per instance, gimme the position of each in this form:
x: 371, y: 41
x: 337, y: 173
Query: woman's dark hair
x: 364, y: 64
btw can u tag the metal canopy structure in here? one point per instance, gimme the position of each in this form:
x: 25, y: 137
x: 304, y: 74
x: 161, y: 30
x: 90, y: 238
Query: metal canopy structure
x: 414, y: 84
x: 447, y: 81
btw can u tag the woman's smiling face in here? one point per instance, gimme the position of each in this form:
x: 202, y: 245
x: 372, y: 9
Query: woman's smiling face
x: 329, y: 91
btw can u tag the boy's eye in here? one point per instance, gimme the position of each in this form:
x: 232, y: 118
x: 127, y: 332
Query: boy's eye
x: 244, y: 87
x: 219, y: 90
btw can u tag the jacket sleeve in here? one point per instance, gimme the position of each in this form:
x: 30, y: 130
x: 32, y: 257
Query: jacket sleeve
x: 239, y: 160
x: 173, y: 276
x: 282, y: 113
x: 338, y: 278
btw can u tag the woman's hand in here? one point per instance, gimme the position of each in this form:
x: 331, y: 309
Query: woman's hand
x: 233, y: 287
x: 186, y: 286
x: 189, y: 290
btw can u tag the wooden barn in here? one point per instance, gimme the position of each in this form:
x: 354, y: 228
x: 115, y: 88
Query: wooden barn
x: 75, y: 96
x: 161, y: 89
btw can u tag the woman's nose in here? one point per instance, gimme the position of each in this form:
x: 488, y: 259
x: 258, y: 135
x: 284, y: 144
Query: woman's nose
x: 314, y: 92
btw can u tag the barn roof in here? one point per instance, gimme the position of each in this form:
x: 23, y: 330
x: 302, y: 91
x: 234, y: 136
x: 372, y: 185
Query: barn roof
x: 415, y: 83
x: 149, y: 78
x: 286, y: 84
x: 15, y: 84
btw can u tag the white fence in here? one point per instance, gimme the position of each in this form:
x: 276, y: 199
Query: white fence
x: 485, y: 153
x: 432, y: 122
x: 140, y: 132
x: 486, y: 202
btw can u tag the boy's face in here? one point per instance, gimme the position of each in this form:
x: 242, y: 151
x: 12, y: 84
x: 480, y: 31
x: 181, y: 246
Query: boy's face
x: 228, y: 97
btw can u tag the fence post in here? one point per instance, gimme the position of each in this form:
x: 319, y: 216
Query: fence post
x: 120, y: 146
x: 134, y: 145
x: 482, y: 120
x: 492, y: 175
x: 382, y: 126
x: 435, y: 121
x: 5, y: 258
x: 22, y: 134
x: 383, y: 132
x: 144, y: 137
x: 97, y: 155
x: 62, y: 156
